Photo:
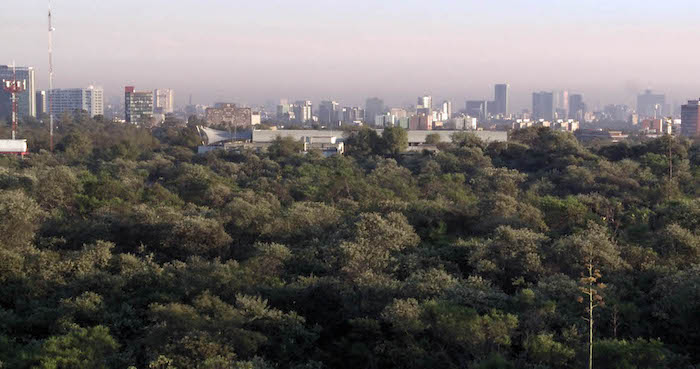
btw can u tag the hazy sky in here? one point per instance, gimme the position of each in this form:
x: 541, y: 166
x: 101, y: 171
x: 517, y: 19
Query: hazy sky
x: 254, y: 51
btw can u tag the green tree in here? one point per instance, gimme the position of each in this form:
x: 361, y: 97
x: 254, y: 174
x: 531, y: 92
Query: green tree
x: 80, y: 348
x: 395, y: 140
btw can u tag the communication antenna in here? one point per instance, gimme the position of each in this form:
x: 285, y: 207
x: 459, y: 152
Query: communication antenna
x: 14, y: 87
x: 51, y: 29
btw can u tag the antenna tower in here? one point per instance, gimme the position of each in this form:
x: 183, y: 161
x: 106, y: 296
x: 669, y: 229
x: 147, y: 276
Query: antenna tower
x: 14, y: 87
x: 51, y: 29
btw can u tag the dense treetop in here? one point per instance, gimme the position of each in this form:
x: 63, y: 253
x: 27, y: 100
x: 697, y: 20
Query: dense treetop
x: 124, y: 248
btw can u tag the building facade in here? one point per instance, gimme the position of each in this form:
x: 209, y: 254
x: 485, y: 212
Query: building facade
x: 70, y: 100
x: 577, y: 108
x: 543, y: 105
x: 41, y: 103
x: 164, y: 100
x: 328, y: 113
x: 229, y: 115
x: 477, y: 109
x: 26, y: 100
x: 138, y: 106
x: 303, y: 111
x: 690, y: 119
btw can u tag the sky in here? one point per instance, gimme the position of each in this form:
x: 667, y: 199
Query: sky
x: 252, y: 52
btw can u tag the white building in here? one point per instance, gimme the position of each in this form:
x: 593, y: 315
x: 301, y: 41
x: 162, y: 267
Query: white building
x: 69, y: 100
x: 164, y: 100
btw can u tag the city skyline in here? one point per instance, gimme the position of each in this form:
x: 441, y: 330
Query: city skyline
x: 158, y: 42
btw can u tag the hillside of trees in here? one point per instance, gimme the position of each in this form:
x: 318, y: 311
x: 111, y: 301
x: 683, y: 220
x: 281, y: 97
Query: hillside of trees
x: 126, y: 249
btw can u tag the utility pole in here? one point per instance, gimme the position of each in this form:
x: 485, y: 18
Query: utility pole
x: 51, y: 29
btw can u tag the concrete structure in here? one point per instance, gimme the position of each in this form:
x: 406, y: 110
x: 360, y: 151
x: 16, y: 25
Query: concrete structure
x: 690, y: 119
x: 599, y: 134
x: 42, y: 102
x: 414, y: 137
x: 164, y: 100
x: 501, y: 101
x: 446, y: 111
x: 229, y: 115
x: 398, y: 113
x: 543, y: 105
x: 561, y: 104
x: 385, y: 120
x: 138, y: 106
x: 70, y: 100
x: 26, y: 100
x: 352, y: 115
x: 650, y: 105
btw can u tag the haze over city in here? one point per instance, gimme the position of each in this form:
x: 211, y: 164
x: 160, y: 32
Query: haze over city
x: 254, y: 52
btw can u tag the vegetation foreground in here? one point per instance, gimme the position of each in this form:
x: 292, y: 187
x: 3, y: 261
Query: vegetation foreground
x: 126, y: 249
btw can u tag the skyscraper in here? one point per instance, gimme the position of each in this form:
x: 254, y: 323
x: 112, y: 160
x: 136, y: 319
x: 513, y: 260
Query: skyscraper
x: 543, y: 105
x: 69, y: 100
x: 328, y: 113
x: 577, y: 108
x: 41, y: 103
x: 303, y: 111
x: 501, y: 99
x: 138, y: 106
x: 690, y: 119
x: 446, y: 111
x: 164, y: 100
x: 373, y: 107
x: 425, y: 102
x: 650, y: 105
x: 477, y: 109
x: 561, y: 104
x: 26, y: 100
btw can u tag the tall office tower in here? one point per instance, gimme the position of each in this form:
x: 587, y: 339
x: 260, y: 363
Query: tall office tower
x: 373, y: 107
x: 650, y: 105
x: 352, y: 114
x: 138, y: 106
x: 477, y: 109
x: 577, y: 108
x: 425, y: 102
x: 26, y: 100
x: 164, y: 100
x: 303, y: 111
x: 561, y: 104
x: 69, y: 100
x: 501, y: 99
x: 284, y: 110
x: 446, y: 111
x: 41, y: 103
x: 328, y: 113
x: 690, y: 119
x: 543, y: 105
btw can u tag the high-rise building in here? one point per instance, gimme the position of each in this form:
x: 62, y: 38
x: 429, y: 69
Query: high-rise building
x: 138, y: 106
x: 561, y: 104
x: 425, y: 102
x: 690, y: 119
x: 501, y: 103
x: 26, y: 100
x: 70, y: 100
x: 164, y: 100
x: 577, y: 108
x: 373, y: 107
x: 446, y: 111
x: 303, y: 111
x: 477, y: 109
x: 543, y: 105
x: 650, y: 105
x: 420, y: 122
x: 328, y: 113
x: 352, y: 115
x: 41, y: 103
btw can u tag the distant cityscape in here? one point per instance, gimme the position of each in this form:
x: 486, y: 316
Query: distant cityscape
x: 559, y: 110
